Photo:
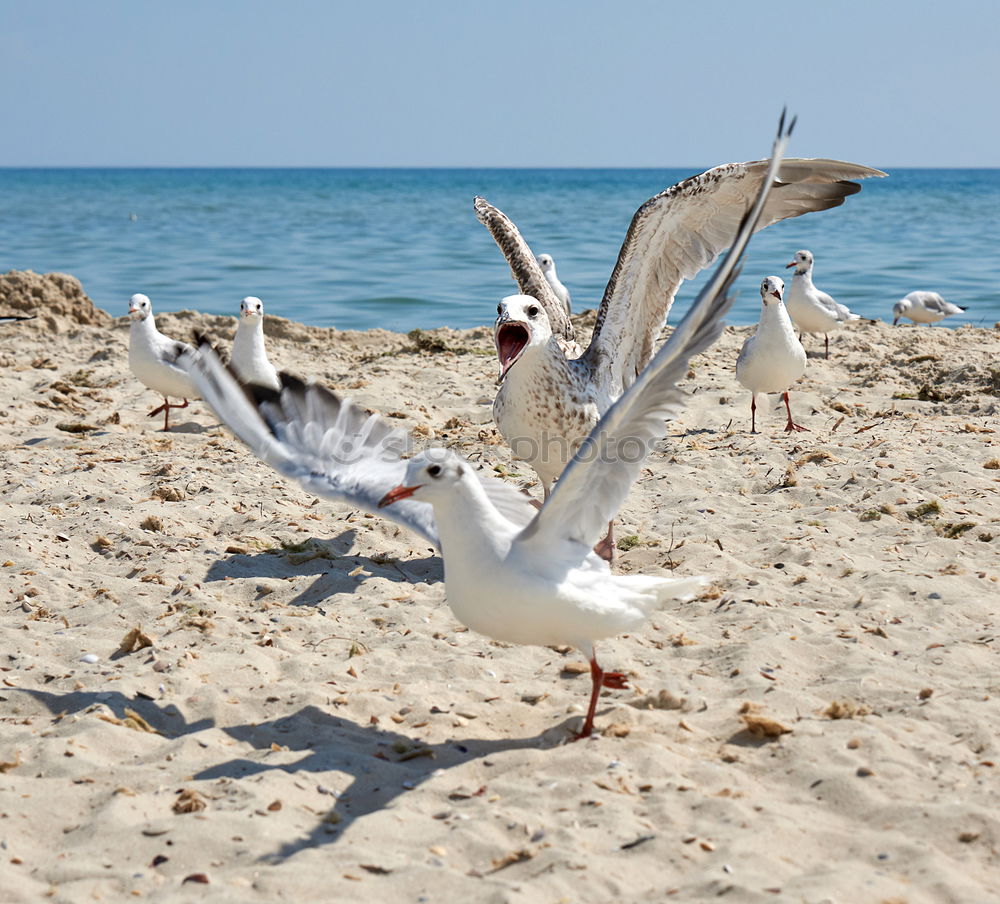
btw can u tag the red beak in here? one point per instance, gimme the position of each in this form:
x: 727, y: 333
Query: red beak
x: 397, y: 493
x: 777, y: 295
x: 792, y: 264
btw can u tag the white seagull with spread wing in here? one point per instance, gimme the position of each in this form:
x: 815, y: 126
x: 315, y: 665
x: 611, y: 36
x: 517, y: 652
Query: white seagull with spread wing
x: 515, y: 573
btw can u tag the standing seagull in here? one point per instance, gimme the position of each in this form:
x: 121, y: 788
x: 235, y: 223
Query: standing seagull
x: 813, y: 311
x: 924, y: 307
x: 548, y: 403
x: 548, y: 266
x: 154, y: 357
x: 249, y: 358
x: 772, y: 358
x: 513, y: 573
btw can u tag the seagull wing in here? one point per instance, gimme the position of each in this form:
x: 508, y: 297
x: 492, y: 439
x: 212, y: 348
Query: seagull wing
x: 331, y: 446
x: 596, y: 481
x: 933, y: 302
x: 524, y: 268
x: 11, y: 318
x: 679, y: 232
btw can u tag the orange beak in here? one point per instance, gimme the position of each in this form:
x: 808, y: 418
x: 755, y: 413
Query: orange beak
x: 397, y: 493
x: 792, y: 264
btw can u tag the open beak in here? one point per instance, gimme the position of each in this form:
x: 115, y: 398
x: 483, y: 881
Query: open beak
x: 397, y: 493
x: 511, y: 339
x: 776, y: 295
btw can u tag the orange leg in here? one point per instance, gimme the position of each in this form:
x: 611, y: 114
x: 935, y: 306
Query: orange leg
x: 599, y: 679
x: 165, y: 408
x: 791, y: 425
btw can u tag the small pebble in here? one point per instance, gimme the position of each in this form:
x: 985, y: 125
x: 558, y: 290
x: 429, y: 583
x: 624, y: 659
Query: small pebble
x: 90, y: 657
x: 934, y: 596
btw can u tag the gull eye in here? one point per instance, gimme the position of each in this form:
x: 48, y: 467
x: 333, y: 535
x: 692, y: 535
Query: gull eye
x: 533, y: 311
x: 434, y: 470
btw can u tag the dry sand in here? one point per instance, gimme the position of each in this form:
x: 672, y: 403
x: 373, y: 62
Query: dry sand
x: 310, y: 722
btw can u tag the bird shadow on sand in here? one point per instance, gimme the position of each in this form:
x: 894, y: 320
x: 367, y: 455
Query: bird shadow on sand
x: 331, y: 560
x: 384, y: 764
x: 167, y: 719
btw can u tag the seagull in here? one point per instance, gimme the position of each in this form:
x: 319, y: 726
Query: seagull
x: 514, y: 572
x: 154, y: 359
x: 813, y: 311
x: 249, y: 358
x: 550, y: 398
x: 924, y: 307
x: 13, y: 318
x: 772, y: 358
x: 548, y: 266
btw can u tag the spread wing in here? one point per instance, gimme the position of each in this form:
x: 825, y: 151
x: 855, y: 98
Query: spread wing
x: 680, y: 231
x: 331, y: 446
x: 523, y: 267
x: 598, y: 478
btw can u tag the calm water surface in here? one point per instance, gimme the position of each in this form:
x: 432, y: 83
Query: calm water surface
x: 402, y: 248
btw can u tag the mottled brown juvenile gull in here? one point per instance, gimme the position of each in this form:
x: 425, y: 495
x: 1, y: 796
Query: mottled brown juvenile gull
x: 549, y: 399
x: 513, y: 573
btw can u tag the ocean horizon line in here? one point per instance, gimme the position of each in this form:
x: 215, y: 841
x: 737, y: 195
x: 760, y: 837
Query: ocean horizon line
x: 424, y: 168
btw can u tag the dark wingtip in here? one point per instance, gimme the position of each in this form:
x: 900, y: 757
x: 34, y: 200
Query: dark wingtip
x: 961, y: 308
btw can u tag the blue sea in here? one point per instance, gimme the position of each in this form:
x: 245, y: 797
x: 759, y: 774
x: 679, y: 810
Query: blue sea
x: 401, y: 248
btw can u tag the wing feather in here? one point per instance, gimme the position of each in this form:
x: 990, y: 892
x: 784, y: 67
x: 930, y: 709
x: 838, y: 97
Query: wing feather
x: 524, y: 267
x: 596, y: 481
x: 679, y: 232
x: 331, y: 446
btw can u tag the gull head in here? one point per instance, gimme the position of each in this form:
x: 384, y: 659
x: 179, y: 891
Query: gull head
x: 900, y: 309
x: 430, y: 475
x: 251, y: 306
x: 802, y: 262
x: 772, y: 289
x: 521, y: 324
x: 547, y: 264
x: 139, y: 307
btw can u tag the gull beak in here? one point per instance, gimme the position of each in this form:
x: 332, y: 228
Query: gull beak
x: 777, y: 295
x: 792, y: 264
x: 397, y: 493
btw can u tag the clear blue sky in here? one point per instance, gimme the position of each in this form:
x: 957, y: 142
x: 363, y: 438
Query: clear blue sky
x: 517, y: 83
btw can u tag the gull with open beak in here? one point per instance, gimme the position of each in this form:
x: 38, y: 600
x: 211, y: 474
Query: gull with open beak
x: 551, y: 395
x: 513, y: 572
x: 772, y: 358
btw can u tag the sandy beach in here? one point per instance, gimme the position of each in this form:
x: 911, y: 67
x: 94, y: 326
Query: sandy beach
x: 214, y: 686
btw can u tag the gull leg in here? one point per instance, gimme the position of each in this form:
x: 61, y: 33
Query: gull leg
x: 165, y: 408
x: 606, y: 547
x: 599, y: 678
x: 791, y: 425
x: 826, y: 344
x: 753, y: 412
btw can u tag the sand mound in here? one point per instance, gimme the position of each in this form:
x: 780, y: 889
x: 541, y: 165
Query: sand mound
x: 57, y: 298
